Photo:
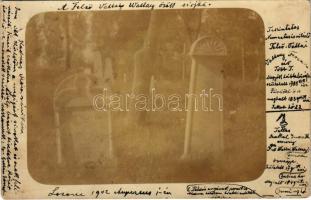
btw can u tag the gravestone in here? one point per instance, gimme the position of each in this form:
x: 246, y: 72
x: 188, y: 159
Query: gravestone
x: 83, y: 134
x: 204, y: 123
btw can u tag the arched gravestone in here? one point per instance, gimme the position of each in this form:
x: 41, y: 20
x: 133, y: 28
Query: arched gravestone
x: 204, y: 123
x: 83, y: 135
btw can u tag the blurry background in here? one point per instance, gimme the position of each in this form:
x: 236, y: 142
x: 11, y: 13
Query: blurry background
x: 123, y: 49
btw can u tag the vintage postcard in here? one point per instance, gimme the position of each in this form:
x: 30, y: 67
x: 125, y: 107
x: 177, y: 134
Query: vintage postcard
x: 155, y: 99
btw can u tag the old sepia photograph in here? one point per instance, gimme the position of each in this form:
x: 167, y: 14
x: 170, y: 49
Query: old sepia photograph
x: 146, y: 96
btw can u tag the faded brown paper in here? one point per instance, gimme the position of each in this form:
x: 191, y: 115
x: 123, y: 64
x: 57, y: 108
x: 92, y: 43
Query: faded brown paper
x: 236, y: 138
